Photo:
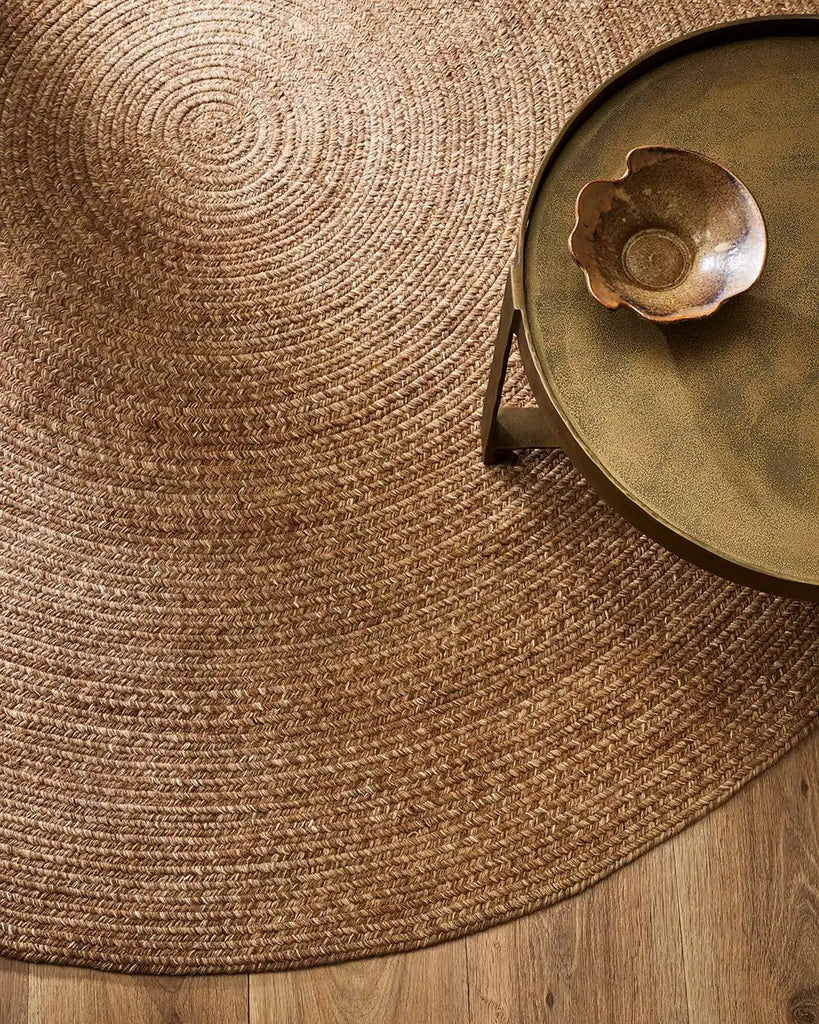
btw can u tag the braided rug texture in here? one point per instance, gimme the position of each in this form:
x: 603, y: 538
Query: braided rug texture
x: 287, y: 675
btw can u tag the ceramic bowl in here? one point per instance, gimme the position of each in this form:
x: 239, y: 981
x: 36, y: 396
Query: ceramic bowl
x: 672, y: 239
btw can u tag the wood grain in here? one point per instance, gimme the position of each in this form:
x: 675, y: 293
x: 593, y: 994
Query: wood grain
x: 720, y: 924
x: 748, y: 883
x: 591, y: 958
x: 59, y: 995
x: 413, y: 988
x: 13, y: 992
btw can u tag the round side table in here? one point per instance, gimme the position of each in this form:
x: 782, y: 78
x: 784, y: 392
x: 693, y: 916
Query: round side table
x: 704, y: 434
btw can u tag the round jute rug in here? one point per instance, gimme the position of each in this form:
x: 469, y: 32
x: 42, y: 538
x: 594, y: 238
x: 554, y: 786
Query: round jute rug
x: 287, y: 675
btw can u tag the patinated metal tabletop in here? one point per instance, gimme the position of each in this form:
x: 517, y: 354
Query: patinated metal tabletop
x: 704, y: 434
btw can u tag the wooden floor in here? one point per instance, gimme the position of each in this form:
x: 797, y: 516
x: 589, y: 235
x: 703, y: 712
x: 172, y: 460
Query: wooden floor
x: 718, y: 926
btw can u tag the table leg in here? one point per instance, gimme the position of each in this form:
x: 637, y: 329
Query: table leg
x: 505, y: 430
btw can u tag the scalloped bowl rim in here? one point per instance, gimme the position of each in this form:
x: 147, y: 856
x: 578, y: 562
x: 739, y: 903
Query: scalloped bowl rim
x: 691, y: 312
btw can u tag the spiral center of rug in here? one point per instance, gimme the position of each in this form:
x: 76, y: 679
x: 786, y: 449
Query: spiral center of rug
x: 216, y: 128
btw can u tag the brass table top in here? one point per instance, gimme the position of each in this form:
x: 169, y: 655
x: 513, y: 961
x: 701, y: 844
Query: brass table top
x: 710, y: 428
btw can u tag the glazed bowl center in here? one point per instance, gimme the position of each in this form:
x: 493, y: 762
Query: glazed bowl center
x: 656, y: 259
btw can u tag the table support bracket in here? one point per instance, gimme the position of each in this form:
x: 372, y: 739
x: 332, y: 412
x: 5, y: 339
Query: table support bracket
x: 504, y: 430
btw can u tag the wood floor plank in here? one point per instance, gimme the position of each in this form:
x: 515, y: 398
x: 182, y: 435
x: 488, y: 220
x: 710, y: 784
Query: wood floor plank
x: 749, y: 900
x: 425, y: 987
x: 13, y: 992
x: 61, y: 995
x: 610, y: 955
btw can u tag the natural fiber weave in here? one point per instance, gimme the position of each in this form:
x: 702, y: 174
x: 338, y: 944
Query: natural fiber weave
x: 287, y: 675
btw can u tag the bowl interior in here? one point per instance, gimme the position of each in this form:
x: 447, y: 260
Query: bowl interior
x: 673, y: 238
